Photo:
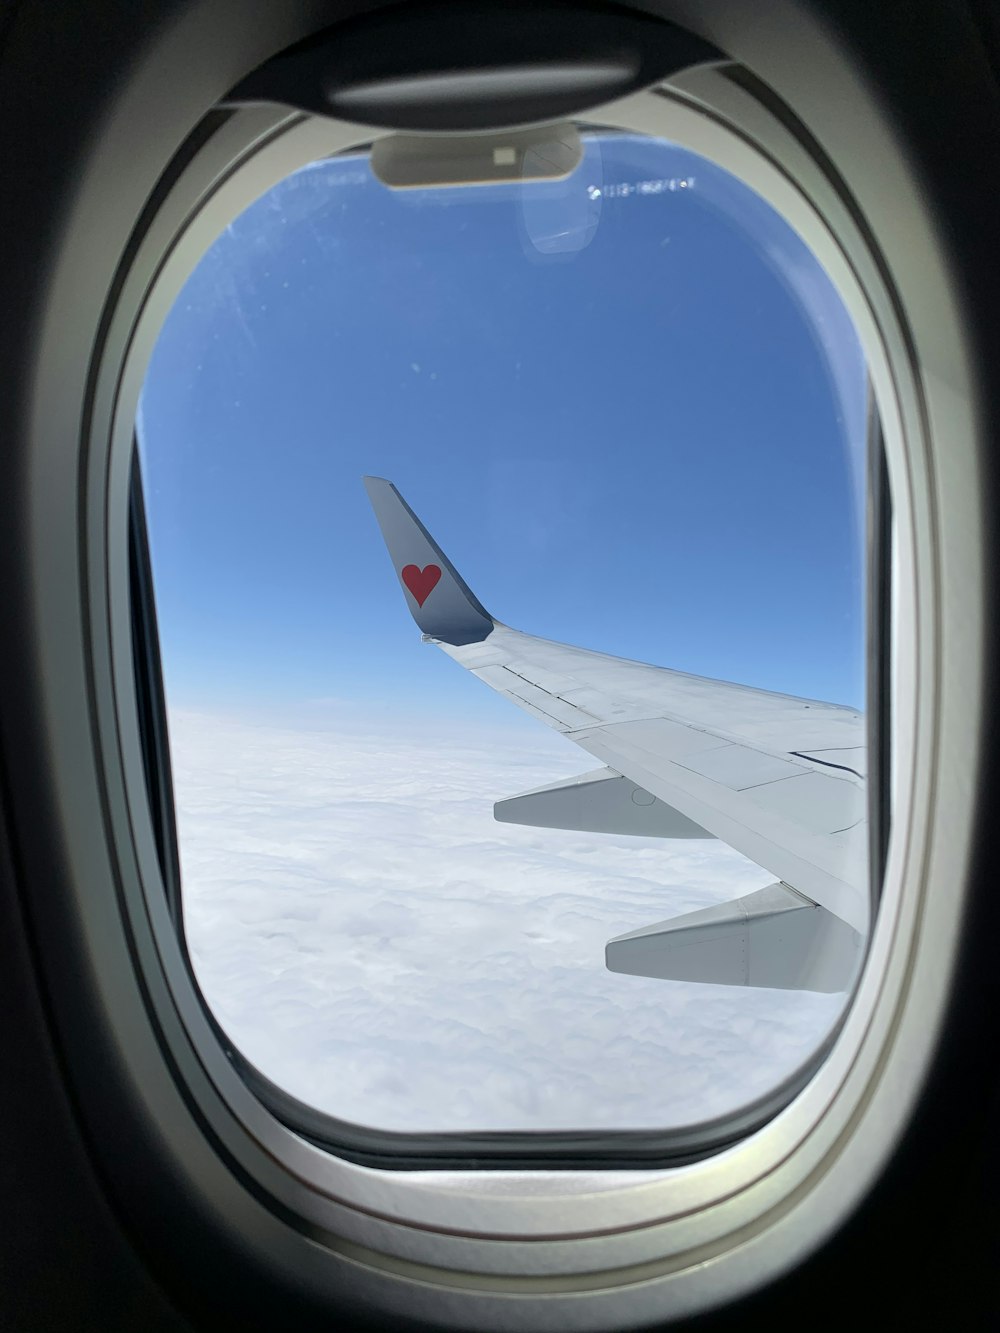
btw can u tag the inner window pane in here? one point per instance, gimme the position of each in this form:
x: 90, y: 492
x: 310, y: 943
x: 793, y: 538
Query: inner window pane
x: 630, y: 407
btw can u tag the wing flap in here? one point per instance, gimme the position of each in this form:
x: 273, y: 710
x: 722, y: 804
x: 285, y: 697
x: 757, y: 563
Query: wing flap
x: 813, y: 864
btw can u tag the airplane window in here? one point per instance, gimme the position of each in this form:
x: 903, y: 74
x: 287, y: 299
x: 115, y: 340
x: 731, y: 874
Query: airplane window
x: 508, y: 548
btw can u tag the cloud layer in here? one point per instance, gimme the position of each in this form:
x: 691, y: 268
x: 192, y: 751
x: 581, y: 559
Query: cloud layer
x: 380, y: 947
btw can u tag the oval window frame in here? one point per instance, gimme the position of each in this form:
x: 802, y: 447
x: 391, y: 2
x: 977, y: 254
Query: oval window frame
x: 687, y: 1214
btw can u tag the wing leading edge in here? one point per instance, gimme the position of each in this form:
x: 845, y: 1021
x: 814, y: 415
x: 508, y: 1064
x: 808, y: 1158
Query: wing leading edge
x: 781, y: 779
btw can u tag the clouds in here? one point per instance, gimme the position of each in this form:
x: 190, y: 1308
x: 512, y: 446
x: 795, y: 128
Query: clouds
x: 379, y: 946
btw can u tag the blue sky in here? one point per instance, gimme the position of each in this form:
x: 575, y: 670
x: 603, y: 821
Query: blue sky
x: 630, y: 410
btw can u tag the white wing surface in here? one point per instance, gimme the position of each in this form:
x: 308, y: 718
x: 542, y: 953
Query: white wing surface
x: 781, y: 779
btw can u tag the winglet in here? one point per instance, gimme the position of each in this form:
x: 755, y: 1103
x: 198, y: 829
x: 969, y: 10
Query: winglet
x: 439, y: 599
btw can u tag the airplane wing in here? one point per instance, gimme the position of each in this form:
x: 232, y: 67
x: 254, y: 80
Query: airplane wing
x: 780, y: 779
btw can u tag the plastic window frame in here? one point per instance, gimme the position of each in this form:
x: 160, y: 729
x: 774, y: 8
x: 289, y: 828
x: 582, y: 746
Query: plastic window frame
x: 677, y: 1209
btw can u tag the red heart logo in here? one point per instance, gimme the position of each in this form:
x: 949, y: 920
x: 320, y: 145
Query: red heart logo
x: 421, y: 582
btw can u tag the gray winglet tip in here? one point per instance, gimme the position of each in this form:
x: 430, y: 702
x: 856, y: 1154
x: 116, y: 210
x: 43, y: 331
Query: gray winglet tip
x: 375, y: 484
x: 444, y: 608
